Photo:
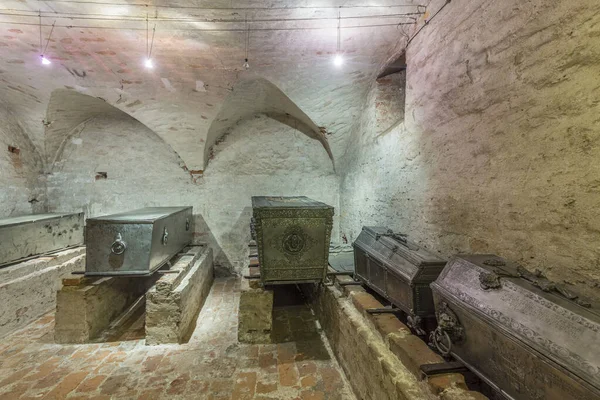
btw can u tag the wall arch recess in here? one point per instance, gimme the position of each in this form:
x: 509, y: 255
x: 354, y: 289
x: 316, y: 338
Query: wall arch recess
x: 67, y: 113
x: 260, y: 96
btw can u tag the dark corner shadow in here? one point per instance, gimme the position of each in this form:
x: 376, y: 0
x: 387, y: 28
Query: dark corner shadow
x: 294, y: 321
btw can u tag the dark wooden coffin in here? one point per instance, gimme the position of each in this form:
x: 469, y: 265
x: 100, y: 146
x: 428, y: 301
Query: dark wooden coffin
x: 292, y: 235
x: 399, y: 270
x: 528, y: 337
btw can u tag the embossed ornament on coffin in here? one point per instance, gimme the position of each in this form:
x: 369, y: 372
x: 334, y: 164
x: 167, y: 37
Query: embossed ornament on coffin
x: 292, y: 235
x: 531, y: 338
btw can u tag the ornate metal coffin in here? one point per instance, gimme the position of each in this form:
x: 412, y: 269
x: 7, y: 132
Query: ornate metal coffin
x: 292, y: 235
x: 399, y: 270
x: 528, y: 337
x: 30, y: 235
x: 136, y: 242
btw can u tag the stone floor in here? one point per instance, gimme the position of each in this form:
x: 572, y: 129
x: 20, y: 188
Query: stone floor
x: 211, y: 366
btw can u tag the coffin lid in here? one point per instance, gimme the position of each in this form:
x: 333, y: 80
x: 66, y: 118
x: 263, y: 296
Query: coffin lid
x: 402, y: 256
x: 286, y: 202
x: 146, y: 215
x: 28, y: 219
x: 557, y: 328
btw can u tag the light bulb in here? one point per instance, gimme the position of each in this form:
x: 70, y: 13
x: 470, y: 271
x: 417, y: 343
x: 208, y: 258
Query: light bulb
x: 338, y: 60
x: 45, y: 61
x: 246, y: 65
x: 148, y: 63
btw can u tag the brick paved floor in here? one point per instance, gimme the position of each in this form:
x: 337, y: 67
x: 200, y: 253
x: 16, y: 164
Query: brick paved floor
x: 211, y: 366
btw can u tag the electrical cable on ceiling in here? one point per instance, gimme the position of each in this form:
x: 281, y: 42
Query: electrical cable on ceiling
x: 427, y: 21
x: 233, y: 8
x: 149, y: 44
x: 99, y: 17
x: 43, y: 48
x: 247, y: 44
x: 339, y: 60
x: 207, y: 29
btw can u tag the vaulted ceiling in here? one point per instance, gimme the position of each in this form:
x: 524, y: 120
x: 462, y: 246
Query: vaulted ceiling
x: 98, y: 48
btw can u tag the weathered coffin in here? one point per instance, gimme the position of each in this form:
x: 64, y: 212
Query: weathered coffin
x: 292, y: 235
x: 529, y: 338
x: 136, y: 242
x: 399, y: 270
x: 31, y: 235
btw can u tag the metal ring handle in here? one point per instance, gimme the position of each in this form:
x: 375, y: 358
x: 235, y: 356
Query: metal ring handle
x: 119, y: 246
x: 165, y: 238
x: 187, y: 224
x: 436, y: 337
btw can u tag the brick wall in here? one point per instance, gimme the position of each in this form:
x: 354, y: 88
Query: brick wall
x: 378, y: 353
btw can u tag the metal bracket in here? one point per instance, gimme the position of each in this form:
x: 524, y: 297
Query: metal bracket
x: 385, y: 310
x: 428, y: 370
x: 338, y: 273
x: 257, y: 276
x: 349, y: 283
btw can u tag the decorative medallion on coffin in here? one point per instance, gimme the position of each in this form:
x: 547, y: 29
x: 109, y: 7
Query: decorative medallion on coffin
x: 530, y: 338
x: 292, y: 235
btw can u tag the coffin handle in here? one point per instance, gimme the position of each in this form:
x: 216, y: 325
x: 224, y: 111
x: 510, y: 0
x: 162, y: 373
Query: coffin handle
x: 165, y: 238
x: 441, y: 340
x: 118, y: 246
x: 448, y: 331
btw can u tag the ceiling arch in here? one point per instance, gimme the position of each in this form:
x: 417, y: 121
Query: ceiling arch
x: 67, y: 111
x: 260, y: 96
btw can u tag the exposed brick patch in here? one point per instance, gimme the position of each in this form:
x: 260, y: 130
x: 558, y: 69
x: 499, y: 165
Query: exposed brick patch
x: 91, y: 383
x: 263, y: 388
x: 67, y: 385
x: 412, y: 351
x: 439, y: 383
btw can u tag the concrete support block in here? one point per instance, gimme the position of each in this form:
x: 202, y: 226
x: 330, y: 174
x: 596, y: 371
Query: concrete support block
x: 86, y: 306
x: 28, y: 289
x: 173, y: 303
x: 255, y: 313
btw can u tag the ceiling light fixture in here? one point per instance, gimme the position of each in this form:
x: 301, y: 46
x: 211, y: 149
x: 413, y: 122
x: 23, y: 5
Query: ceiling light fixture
x: 43, y: 48
x: 338, y: 60
x: 149, y: 44
x: 247, y: 44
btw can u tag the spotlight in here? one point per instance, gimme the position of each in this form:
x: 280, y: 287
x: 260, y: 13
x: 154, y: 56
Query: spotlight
x: 45, y: 61
x: 246, y: 65
x: 338, y: 60
x: 148, y: 63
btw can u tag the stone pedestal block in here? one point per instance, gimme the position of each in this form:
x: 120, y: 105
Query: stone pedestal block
x: 173, y: 303
x: 86, y: 306
x: 28, y: 289
x: 255, y: 313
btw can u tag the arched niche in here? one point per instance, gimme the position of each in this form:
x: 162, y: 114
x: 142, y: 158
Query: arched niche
x: 259, y: 96
x: 67, y: 112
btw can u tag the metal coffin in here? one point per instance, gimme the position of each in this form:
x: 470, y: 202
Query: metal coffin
x: 528, y: 337
x: 136, y: 242
x: 292, y: 235
x: 399, y: 270
x: 30, y: 235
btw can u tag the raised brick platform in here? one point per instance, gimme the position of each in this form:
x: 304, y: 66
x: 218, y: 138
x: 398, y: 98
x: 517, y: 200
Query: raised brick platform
x: 173, y: 303
x: 380, y: 355
x: 28, y: 289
